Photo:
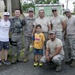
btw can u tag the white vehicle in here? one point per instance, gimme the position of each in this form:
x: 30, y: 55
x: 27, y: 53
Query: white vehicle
x: 48, y: 8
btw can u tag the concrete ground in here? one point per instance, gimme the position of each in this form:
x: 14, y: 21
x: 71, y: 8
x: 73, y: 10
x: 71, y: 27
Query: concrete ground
x: 28, y: 69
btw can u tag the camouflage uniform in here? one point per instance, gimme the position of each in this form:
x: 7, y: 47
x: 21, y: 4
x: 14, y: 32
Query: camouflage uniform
x: 28, y: 28
x: 16, y: 36
x: 71, y: 36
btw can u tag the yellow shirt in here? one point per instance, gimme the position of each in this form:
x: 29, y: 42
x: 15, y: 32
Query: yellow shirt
x: 39, y: 39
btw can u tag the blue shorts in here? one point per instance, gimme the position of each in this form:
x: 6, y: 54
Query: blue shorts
x: 4, y: 45
x: 38, y: 51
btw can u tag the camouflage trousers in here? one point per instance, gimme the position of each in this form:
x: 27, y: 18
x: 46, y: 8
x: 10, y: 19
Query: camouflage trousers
x: 27, y: 42
x: 17, y: 49
x: 46, y: 38
x: 59, y: 35
x: 56, y: 59
x: 70, y: 43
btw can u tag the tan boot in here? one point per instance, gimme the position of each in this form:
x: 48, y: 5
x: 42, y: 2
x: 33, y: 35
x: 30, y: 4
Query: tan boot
x: 14, y: 59
x: 20, y: 59
x: 73, y: 63
x: 25, y: 59
x: 58, y: 68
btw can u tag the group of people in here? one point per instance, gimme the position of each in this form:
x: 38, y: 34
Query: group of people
x: 48, y: 35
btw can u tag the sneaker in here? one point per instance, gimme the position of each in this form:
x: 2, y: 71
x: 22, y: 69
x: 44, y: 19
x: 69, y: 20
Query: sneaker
x: 73, y: 63
x: 0, y: 63
x: 35, y: 64
x: 6, y: 62
x: 58, y: 68
x: 40, y: 64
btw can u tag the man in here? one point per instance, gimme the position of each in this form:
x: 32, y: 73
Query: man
x: 28, y: 28
x: 58, y: 23
x: 4, y: 38
x: 16, y: 36
x: 54, y: 51
x: 70, y: 36
x: 44, y: 22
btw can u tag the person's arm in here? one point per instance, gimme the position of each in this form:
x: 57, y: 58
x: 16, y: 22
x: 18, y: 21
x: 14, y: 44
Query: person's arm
x: 47, y: 52
x: 64, y: 25
x: 65, y: 33
x: 63, y: 21
x: 57, y: 51
x: 34, y: 28
x: 23, y: 22
x: 49, y: 25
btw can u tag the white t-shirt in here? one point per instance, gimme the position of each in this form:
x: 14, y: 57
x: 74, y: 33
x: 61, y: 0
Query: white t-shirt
x: 4, y: 30
x: 57, y: 23
x: 44, y: 22
x: 54, y: 44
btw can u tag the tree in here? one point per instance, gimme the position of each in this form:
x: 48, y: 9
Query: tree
x: 25, y: 6
x: 74, y: 6
x: 46, y: 1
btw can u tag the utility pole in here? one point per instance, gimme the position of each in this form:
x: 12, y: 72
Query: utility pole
x: 67, y: 4
x: 9, y: 7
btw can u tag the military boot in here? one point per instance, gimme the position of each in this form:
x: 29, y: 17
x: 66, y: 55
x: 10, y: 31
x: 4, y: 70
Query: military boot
x: 25, y: 59
x: 14, y: 59
x: 73, y: 63
x: 19, y: 59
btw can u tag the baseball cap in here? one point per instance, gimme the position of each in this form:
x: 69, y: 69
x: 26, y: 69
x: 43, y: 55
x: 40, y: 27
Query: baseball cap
x: 67, y: 10
x: 6, y: 14
x: 52, y: 32
x: 54, y: 9
x: 31, y: 9
x: 41, y: 8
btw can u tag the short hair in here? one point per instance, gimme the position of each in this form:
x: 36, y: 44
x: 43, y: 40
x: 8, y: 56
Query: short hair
x: 38, y: 26
x: 41, y: 10
x: 16, y: 9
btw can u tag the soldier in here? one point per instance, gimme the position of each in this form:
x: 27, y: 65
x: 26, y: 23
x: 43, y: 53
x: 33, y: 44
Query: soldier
x: 16, y: 36
x: 28, y: 31
x: 70, y: 31
x: 45, y: 24
x: 58, y: 23
x: 54, y: 52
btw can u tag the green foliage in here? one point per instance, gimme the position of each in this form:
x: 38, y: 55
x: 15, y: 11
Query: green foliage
x: 26, y: 6
x: 46, y: 1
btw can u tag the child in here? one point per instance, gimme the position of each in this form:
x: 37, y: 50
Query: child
x: 38, y: 45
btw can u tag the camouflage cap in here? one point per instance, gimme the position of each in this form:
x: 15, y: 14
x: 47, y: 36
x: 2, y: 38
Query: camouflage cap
x: 67, y: 10
x: 52, y: 32
x: 54, y: 8
x: 30, y: 9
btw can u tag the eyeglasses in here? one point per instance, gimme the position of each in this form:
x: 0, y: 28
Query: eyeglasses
x: 54, y: 10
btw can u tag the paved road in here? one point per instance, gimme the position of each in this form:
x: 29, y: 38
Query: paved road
x: 28, y: 69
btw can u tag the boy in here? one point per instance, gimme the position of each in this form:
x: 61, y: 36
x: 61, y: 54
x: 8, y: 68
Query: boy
x: 38, y: 45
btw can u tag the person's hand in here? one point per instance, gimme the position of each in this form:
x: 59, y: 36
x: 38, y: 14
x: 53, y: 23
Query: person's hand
x: 64, y: 37
x: 48, y: 58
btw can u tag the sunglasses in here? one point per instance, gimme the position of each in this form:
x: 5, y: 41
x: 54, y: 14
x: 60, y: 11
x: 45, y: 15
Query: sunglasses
x: 51, y: 34
x: 54, y: 10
